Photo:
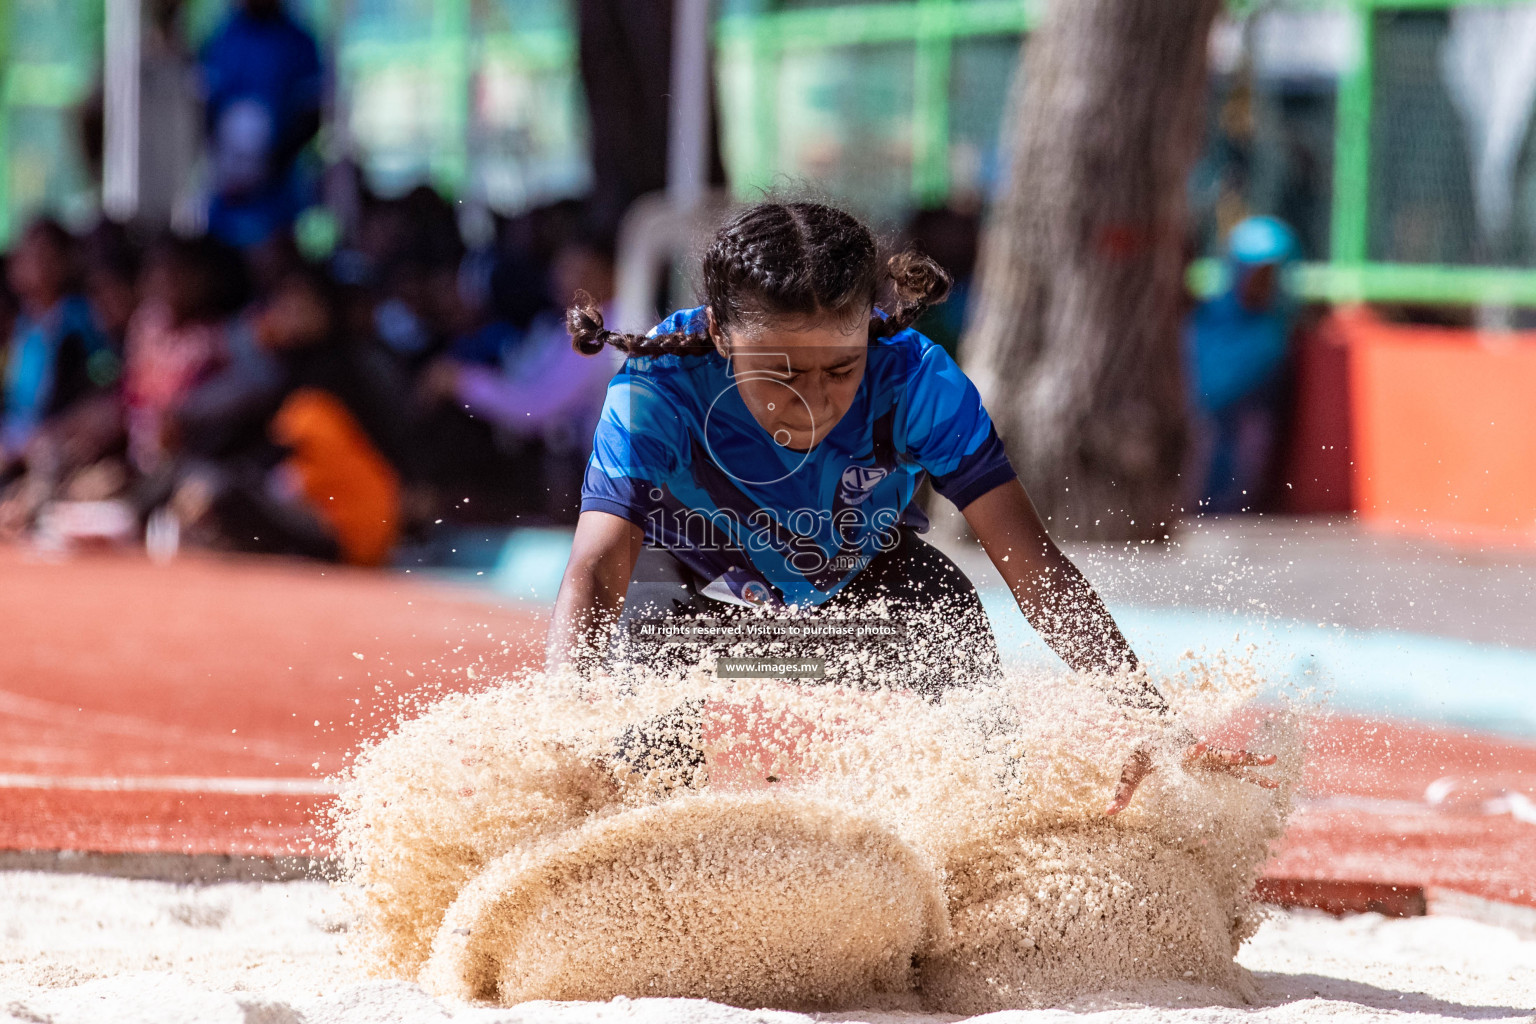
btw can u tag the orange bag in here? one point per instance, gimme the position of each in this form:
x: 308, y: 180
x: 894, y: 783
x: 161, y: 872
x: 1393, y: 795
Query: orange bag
x: 351, y: 487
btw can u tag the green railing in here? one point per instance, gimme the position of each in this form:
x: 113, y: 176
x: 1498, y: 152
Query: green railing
x: 1408, y: 283
x: 49, y: 84
x: 752, y: 43
x: 751, y: 46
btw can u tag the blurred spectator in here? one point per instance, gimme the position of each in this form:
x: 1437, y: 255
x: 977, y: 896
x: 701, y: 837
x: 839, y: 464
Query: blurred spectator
x: 543, y: 394
x: 406, y: 316
x: 112, y: 267
x: 478, y: 331
x: 331, y: 355
x: 325, y: 489
x: 519, y: 283
x: 57, y: 356
x: 411, y: 252
x: 337, y: 472
x: 1237, y: 343
x: 262, y: 84
x: 176, y: 340
x: 57, y: 414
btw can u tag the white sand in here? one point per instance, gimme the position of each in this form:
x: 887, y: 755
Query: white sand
x: 85, y: 949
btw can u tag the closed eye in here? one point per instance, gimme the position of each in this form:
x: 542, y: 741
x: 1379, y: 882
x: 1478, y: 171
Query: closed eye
x: 795, y: 376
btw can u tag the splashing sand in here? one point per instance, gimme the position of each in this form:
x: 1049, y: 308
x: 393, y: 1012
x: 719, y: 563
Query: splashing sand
x: 789, y: 902
x: 837, y: 848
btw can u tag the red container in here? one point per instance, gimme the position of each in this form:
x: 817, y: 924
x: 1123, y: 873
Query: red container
x: 1443, y: 429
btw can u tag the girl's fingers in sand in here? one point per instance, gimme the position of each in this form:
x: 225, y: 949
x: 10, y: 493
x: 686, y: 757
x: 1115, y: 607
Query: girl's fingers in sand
x: 1136, y: 769
x: 1199, y: 756
x: 1216, y: 759
x: 1231, y: 762
x: 1263, y: 781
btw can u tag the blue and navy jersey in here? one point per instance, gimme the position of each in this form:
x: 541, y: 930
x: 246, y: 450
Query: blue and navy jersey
x: 678, y: 453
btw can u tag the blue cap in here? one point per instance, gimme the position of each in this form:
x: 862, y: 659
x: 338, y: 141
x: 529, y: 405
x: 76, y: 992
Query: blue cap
x: 1261, y: 240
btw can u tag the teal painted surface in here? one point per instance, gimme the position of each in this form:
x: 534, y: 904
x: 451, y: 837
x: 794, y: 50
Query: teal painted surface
x: 1382, y: 672
x: 1405, y: 675
x: 531, y: 564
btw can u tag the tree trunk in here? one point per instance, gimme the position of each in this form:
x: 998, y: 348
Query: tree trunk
x: 1075, y: 341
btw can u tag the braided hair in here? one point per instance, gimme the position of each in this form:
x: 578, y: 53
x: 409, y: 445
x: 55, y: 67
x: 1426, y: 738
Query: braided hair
x: 785, y: 261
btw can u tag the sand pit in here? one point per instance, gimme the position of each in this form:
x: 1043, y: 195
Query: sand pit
x: 790, y: 902
x: 83, y: 950
x: 499, y: 848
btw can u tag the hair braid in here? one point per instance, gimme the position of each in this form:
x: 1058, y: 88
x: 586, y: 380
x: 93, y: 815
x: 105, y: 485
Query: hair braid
x: 917, y: 282
x: 584, y: 321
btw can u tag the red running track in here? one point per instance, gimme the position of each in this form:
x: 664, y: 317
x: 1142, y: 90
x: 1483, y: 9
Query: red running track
x: 1364, y: 814
x: 196, y: 707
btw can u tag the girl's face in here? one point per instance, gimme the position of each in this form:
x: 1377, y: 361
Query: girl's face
x: 798, y: 383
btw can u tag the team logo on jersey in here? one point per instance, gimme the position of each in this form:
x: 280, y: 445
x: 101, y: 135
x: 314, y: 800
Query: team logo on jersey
x: 859, y: 483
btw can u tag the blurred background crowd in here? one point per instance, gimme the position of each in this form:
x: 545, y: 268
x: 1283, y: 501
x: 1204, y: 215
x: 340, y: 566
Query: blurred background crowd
x: 258, y: 399
x: 290, y: 277
x: 220, y: 379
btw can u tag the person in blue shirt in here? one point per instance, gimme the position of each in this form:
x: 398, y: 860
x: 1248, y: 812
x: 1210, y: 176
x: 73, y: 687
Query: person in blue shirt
x: 1236, y: 346
x: 58, y: 409
x: 758, y: 460
x: 57, y: 356
x: 262, y: 80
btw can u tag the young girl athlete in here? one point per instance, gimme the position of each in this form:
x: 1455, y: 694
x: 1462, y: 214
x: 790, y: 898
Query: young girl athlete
x: 758, y: 459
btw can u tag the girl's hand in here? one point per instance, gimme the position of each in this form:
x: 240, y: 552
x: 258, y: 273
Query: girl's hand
x: 1198, y: 757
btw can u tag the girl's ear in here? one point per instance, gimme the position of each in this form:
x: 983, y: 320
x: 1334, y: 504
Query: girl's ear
x: 716, y: 335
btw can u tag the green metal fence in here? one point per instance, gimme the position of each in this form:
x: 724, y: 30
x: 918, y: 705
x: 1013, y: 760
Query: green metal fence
x: 796, y: 61
x: 49, y: 50
x: 774, y: 58
x: 885, y: 105
x: 476, y: 97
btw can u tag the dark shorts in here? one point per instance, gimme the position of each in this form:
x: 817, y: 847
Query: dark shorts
x: 937, y: 637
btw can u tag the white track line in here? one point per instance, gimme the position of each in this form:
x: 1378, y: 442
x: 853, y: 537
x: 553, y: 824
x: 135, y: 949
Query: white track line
x: 172, y: 784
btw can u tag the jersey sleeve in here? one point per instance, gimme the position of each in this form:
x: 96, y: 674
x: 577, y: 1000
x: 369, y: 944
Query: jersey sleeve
x: 636, y: 446
x: 950, y: 433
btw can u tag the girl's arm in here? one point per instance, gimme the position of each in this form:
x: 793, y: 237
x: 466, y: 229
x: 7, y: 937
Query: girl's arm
x: 1071, y: 617
x: 1053, y: 595
x: 603, y: 556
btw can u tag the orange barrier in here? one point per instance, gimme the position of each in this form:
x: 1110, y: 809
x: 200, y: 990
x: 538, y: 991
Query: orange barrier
x: 1443, y: 425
